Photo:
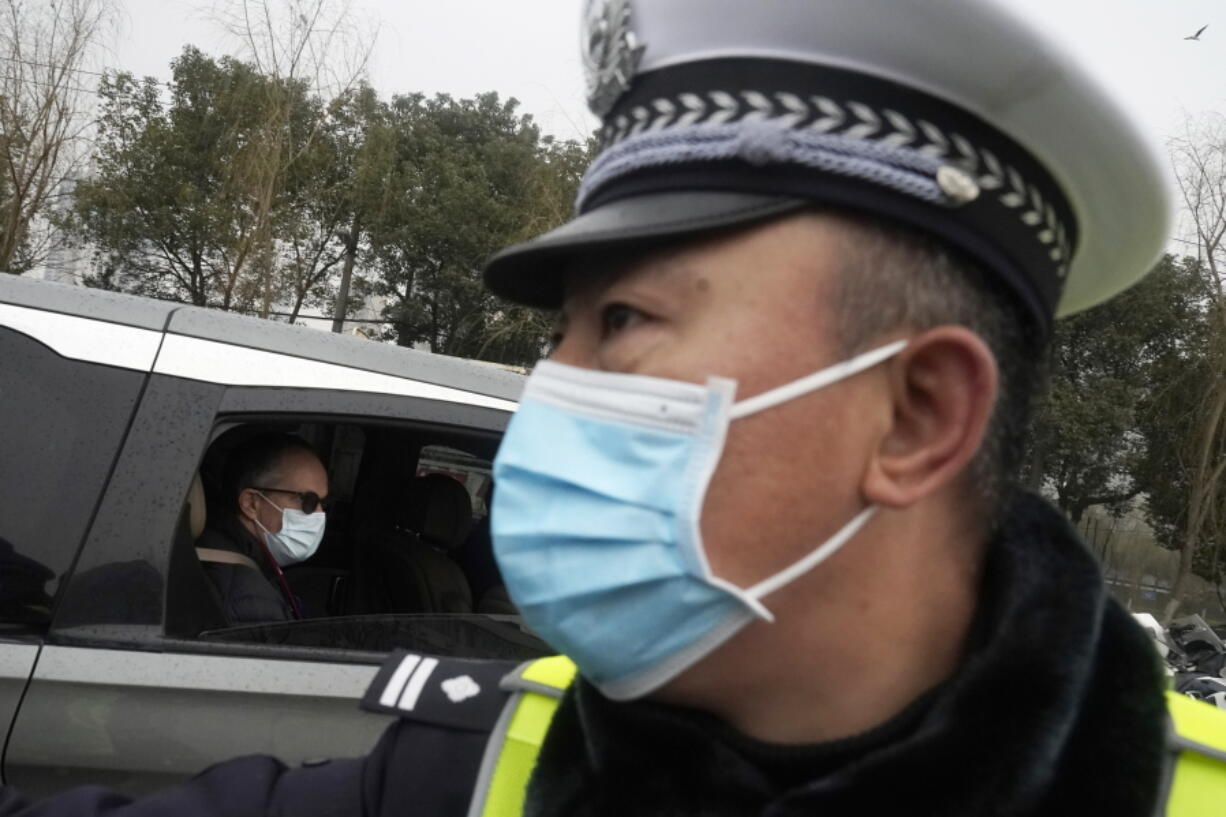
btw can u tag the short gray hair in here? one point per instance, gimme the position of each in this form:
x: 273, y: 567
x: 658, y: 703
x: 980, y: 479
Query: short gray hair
x: 892, y: 278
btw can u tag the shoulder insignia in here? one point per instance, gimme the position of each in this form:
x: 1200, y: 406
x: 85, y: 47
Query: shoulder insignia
x: 460, y: 693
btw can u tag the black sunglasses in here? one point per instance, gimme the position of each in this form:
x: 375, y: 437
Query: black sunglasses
x: 309, y: 499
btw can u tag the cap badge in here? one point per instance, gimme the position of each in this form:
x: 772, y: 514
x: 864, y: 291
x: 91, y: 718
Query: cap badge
x: 611, y: 53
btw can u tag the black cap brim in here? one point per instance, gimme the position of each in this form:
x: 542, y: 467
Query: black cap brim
x: 533, y: 273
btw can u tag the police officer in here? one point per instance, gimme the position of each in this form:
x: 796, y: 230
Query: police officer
x: 760, y: 495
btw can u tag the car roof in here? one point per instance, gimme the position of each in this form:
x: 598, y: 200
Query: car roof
x: 265, y: 335
x: 99, y: 304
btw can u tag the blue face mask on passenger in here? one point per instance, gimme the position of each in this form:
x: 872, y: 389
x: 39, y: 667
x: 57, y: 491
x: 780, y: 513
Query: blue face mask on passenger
x: 600, y: 482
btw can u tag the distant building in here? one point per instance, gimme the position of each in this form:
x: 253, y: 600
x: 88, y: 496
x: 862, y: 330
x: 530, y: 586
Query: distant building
x: 63, y: 264
x: 366, y: 322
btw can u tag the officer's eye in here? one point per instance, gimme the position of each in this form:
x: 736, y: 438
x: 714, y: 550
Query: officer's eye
x: 617, y: 317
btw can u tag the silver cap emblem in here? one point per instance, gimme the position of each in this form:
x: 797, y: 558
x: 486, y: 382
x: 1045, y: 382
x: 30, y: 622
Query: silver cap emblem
x: 611, y: 53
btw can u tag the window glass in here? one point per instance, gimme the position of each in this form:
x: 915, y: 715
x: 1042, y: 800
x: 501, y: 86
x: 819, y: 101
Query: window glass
x: 61, y: 424
x: 405, y: 558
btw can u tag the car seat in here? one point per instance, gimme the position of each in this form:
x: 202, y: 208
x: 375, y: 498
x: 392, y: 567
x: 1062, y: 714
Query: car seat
x: 497, y: 602
x: 416, y: 571
x: 192, y: 603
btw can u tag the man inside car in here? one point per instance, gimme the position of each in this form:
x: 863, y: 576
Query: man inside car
x: 272, y: 491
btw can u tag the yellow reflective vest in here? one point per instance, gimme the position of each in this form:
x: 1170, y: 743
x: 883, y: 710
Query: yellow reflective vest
x: 1196, y: 775
x: 1194, y: 785
x: 516, y: 740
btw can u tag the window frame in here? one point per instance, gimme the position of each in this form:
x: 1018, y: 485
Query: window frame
x: 145, y: 476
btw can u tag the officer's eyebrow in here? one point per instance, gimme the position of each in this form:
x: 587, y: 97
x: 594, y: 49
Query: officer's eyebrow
x: 662, y: 274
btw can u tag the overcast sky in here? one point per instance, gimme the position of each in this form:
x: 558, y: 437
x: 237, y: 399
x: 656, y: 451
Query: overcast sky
x: 529, y: 49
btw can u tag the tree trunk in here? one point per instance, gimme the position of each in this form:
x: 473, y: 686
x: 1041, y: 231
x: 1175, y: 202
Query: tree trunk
x: 1035, y: 462
x: 435, y: 346
x: 266, y: 301
x: 10, y: 235
x: 1205, y: 486
x: 342, y: 294
x: 199, y: 290
x: 298, y: 299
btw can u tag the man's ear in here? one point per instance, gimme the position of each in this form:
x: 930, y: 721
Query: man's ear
x: 943, y: 387
x: 247, y: 499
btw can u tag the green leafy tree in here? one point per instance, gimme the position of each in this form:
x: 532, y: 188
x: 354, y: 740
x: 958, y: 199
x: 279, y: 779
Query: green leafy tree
x: 1101, y: 431
x: 167, y: 210
x: 471, y: 177
x: 1170, y: 415
x: 330, y: 189
x: 178, y: 206
x: 312, y: 55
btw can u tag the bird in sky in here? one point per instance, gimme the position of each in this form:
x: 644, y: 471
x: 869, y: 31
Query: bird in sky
x: 1196, y: 36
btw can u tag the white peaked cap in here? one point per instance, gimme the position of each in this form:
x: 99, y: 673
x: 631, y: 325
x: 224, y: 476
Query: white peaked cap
x: 956, y: 117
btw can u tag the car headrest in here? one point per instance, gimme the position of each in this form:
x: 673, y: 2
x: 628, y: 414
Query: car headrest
x: 197, y: 514
x: 376, y: 506
x: 438, y: 510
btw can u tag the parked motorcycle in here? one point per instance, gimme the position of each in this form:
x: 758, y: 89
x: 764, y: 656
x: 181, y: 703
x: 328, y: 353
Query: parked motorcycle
x: 1194, y: 654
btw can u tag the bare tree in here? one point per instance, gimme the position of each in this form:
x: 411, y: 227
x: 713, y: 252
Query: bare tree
x: 1199, y: 159
x: 44, y: 113
x: 309, y: 50
x: 316, y: 42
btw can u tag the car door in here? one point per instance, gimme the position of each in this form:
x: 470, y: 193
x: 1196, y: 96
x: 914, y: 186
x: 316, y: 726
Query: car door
x: 68, y: 387
x: 116, y: 700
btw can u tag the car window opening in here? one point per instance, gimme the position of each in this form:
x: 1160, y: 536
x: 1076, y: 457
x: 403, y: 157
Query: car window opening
x: 405, y: 558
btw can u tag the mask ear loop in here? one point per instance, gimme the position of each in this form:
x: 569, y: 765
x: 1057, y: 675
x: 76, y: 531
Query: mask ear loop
x: 815, y: 381
x: 256, y: 519
x: 272, y: 561
x: 789, y: 574
x: 791, y: 391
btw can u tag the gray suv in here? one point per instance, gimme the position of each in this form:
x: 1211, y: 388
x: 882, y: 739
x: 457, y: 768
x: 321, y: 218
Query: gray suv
x: 118, y: 665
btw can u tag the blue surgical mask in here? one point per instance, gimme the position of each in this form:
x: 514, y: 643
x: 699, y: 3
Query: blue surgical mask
x: 600, y: 485
x: 299, y: 537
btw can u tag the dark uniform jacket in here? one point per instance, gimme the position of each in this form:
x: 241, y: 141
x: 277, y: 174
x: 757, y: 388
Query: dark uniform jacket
x: 247, y: 596
x: 1057, y: 710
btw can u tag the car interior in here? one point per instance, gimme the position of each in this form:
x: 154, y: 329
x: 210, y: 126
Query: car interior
x: 406, y: 559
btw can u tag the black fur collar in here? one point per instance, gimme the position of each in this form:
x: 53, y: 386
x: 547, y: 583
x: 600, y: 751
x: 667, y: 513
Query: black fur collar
x: 1060, y: 711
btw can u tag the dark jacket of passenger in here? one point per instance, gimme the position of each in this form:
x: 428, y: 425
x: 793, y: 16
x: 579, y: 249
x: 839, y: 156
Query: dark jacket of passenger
x: 1057, y: 709
x: 247, y: 596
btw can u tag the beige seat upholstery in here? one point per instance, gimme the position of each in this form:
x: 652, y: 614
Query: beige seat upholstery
x: 197, y: 513
x: 192, y: 604
x: 197, y: 518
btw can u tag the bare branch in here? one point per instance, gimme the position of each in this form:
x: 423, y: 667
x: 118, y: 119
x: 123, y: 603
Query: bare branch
x: 1199, y: 161
x: 44, y: 112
